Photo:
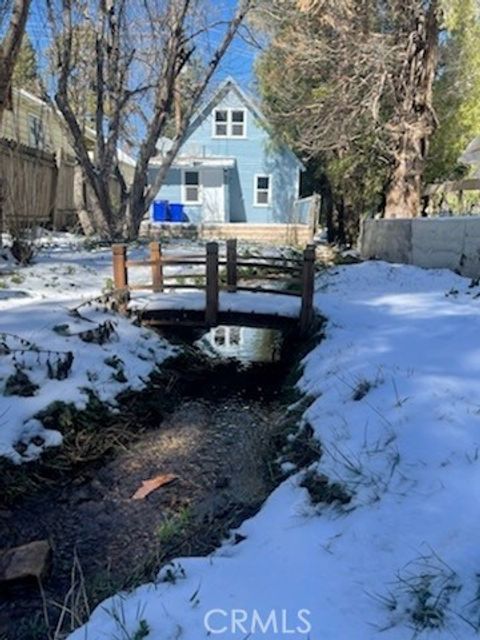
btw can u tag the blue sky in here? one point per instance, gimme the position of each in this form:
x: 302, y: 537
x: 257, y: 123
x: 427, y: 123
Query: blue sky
x: 240, y: 58
x: 238, y: 62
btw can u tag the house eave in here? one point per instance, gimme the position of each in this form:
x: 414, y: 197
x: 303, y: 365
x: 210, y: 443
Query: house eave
x: 211, y: 162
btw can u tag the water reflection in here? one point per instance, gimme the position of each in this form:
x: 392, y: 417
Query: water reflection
x: 243, y: 343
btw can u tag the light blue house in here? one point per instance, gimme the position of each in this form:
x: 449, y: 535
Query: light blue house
x: 230, y: 170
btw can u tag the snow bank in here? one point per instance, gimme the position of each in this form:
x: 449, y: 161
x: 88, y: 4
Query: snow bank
x: 397, y: 410
x: 35, y: 304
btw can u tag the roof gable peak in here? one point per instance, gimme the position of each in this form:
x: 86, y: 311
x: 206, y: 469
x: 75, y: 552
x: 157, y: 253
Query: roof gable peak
x: 221, y: 90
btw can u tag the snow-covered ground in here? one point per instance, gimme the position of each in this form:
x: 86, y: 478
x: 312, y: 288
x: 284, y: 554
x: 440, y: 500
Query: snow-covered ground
x: 396, y: 406
x: 37, y: 330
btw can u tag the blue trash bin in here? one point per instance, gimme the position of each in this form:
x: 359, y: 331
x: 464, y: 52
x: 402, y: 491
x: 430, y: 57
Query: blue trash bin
x: 160, y: 211
x: 177, y: 213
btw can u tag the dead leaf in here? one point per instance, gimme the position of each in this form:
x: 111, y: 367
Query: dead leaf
x: 152, y: 484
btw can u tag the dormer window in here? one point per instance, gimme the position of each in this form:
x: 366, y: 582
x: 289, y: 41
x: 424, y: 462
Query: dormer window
x: 229, y: 123
x: 238, y: 123
x: 221, y: 123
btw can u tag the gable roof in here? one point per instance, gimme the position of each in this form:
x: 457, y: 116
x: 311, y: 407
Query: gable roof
x: 222, y: 89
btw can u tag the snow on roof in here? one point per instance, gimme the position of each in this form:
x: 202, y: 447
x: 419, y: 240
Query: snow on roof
x: 212, y: 161
x: 164, y: 144
x: 31, y: 97
x: 125, y: 158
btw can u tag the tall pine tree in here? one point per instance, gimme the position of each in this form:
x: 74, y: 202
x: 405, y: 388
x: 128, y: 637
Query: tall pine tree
x: 363, y: 87
x: 456, y: 91
x: 25, y: 73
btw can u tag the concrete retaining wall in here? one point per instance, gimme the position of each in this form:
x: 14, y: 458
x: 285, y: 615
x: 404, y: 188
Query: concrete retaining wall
x: 451, y: 243
x: 276, y: 234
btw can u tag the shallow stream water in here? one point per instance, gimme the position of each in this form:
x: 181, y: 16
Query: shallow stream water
x: 216, y: 440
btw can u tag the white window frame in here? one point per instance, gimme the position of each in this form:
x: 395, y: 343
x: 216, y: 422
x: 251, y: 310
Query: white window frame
x: 256, y: 190
x: 184, y: 187
x: 229, y: 123
x: 214, y: 124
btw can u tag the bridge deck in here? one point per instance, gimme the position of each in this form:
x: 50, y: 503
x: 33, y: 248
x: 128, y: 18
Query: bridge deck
x: 252, y: 309
x: 280, y: 293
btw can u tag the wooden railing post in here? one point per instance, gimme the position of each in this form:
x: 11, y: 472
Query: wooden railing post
x: 211, y: 308
x: 308, y: 287
x: 120, y: 272
x: 157, y: 266
x: 232, y: 265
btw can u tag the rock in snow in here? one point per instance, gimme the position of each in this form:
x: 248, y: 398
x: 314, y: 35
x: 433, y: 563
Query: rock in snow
x: 25, y: 563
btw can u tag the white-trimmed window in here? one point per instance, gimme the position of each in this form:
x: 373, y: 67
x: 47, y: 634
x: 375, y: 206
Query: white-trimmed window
x: 221, y: 123
x: 229, y: 123
x: 191, y: 187
x: 263, y: 191
x: 237, y: 123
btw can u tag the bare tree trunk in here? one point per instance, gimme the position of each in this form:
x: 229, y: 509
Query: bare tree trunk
x: 141, y: 198
x: 326, y: 208
x: 340, y: 231
x: 91, y: 221
x: 116, y: 98
x: 9, y: 48
x: 403, y: 196
x: 416, y: 120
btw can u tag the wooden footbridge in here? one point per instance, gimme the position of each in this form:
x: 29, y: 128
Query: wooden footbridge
x: 219, y: 288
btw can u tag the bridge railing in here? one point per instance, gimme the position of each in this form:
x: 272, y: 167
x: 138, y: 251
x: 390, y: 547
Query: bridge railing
x: 229, y: 271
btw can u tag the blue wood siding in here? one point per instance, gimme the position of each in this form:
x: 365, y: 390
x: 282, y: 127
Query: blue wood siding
x: 172, y: 191
x: 256, y: 154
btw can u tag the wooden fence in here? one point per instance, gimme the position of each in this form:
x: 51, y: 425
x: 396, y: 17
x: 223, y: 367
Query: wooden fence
x: 36, y: 186
x: 296, y: 275
x: 29, y: 180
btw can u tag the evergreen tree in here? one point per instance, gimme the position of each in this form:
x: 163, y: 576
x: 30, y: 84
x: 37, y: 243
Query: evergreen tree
x: 25, y: 74
x: 297, y: 80
x: 360, y: 89
x: 456, y: 91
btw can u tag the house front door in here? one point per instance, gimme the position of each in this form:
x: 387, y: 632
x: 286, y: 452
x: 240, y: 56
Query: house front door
x: 213, y: 195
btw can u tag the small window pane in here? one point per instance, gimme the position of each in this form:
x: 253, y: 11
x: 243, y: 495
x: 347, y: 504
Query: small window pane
x: 234, y: 335
x: 263, y: 182
x: 262, y: 197
x: 238, y: 116
x: 220, y: 129
x: 191, y: 194
x: 191, y: 177
x: 219, y: 336
x: 221, y: 116
x: 237, y: 130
